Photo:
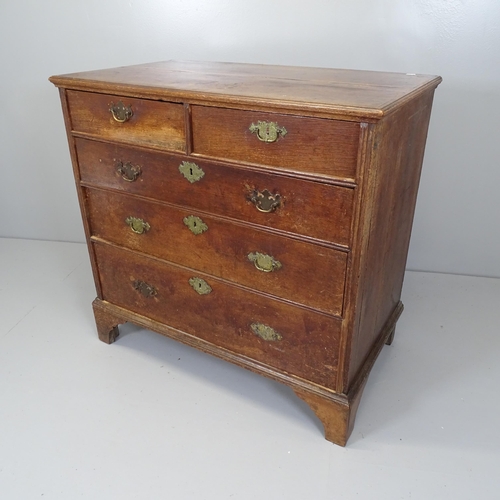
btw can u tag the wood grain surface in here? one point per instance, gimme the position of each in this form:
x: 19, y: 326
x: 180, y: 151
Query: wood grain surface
x: 310, y: 275
x: 154, y: 124
x: 314, y: 145
x: 349, y: 94
x: 224, y: 316
x: 314, y: 209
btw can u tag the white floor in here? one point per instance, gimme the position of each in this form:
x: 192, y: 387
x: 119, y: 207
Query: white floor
x: 147, y: 418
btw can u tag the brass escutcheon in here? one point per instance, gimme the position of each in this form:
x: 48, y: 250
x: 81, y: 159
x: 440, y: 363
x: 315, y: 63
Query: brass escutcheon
x: 265, y: 201
x: 120, y: 112
x: 145, y: 289
x: 128, y: 171
x: 200, y: 286
x: 195, y: 224
x: 264, y: 262
x: 267, y: 131
x: 265, y: 332
x: 137, y: 225
x: 191, y: 171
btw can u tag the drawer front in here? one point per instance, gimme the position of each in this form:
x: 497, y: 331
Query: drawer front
x: 308, y: 208
x: 152, y: 123
x: 314, y: 145
x: 301, y: 342
x: 300, y: 272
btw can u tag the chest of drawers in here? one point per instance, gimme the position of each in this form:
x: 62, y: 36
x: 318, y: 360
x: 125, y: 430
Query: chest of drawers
x: 261, y: 214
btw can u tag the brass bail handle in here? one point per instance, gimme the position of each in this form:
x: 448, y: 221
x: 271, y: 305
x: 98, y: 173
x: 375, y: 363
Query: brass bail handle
x: 144, y: 288
x: 265, y: 201
x: 263, y: 262
x: 267, y: 131
x: 128, y: 171
x: 137, y: 225
x: 265, y: 332
x: 120, y: 112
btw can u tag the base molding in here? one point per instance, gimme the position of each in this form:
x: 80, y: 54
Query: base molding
x: 337, y: 412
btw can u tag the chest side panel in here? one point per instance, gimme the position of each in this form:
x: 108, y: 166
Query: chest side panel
x: 387, y: 217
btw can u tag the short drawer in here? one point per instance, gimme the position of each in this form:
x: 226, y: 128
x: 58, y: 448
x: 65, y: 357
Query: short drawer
x: 149, y: 123
x: 288, y: 338
x: 314, y: 145
x: 293, y: 270
x: 308, y: 208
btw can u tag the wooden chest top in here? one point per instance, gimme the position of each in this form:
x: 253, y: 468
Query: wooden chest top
x: 338, y: 92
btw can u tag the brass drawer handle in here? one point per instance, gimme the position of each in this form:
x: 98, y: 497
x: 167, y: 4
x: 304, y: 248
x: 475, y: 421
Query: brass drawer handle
x: 200, y: 286
x: 264, y: 262
x: 191, y: 171
x: 120, y: 112
x: 265, y: 332
x: 265, y: 201
x: 128, y: 171
x: 267, y: 131
x: 195, y: 224
x: 143, y: 288
x: 137, y: 225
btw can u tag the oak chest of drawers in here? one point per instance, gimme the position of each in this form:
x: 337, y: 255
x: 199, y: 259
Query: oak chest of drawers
x: 259, y: 213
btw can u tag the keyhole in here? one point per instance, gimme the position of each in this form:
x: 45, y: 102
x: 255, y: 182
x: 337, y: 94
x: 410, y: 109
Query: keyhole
x: 194, y: 223
x: 190, y: 171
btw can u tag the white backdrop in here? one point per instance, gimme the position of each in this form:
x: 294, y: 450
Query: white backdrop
x: 457, y: 223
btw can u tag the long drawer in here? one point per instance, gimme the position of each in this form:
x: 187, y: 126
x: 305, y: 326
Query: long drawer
x: 221, y: 189
x: 301, y: 272
x: 125, y: 119
x: 315, y: 145
x: 288, y: 338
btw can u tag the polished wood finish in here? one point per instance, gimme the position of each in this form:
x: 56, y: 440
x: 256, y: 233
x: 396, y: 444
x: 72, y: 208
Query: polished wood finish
x: 313, y: 145
x: 393, y: 177
x: 312, y: 276
x: 154, y: 124
x: 337, y: 93
x: 224, y: 190
x: 224, y: 316
x: 346, y: 176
